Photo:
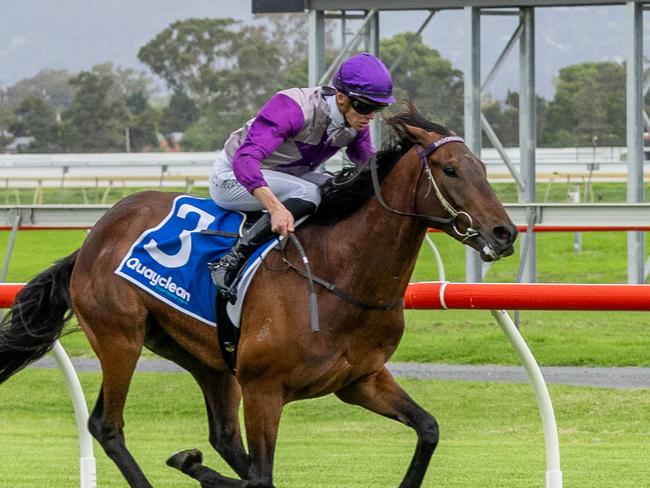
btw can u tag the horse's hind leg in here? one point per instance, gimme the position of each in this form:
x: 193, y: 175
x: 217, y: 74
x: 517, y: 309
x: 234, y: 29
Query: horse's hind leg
x: 381, y: 394
x: 118, y: 352
x: 222, y: 397
x: 111, y: 438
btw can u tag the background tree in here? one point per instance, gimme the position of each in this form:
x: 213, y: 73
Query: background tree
x: 290, y: 32
x: 296, y: 73
x: 229, y: 72
x: 190, y: 54
x: 6, y: 119
x: 137, y: 103
x: 143, y: 123
x: 180, y: 113
x: 126, y: 82
x: 49, y: 84
x: 133, y: 88
x: 94, y: 122
x: 422, y: 76
x: 38, y: 119
x: 589, y: 101
x: 503, y: 117
x: 426, y: 78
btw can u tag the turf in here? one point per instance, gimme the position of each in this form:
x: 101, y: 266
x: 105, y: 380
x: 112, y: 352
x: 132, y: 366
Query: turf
x: 491, y: 436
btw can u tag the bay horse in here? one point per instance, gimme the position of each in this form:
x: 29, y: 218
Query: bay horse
x: 364, y: 240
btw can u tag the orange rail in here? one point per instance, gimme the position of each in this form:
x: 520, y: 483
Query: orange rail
x: 437, y: 295
x: 526, y: 296
x: 8, y: 292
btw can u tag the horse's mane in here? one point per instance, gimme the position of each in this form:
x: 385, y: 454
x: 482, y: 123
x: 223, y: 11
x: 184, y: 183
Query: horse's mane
x: 344, y: 193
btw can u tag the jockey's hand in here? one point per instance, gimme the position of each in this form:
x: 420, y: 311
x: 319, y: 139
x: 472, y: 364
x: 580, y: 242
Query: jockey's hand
x: 282, y: 221
x: 281, y: 218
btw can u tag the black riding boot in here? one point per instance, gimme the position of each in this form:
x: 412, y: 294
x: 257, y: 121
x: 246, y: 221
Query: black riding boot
x: 225, y: 271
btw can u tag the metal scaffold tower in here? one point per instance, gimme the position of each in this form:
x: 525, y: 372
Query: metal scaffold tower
x: 476, y: 124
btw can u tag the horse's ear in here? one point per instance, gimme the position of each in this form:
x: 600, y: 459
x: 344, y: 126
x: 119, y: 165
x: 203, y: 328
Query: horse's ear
x: 415, y: 134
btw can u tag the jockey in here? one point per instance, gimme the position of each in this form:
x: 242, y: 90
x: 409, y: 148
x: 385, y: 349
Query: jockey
x: 270, y: 163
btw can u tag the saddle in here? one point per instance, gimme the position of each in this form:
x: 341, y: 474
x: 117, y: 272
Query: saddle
x: 228, y: 331
x: 168, y: 261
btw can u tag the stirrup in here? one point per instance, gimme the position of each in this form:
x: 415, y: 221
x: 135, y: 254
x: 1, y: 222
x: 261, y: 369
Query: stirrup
x: 229, y: 294
x: 226, y: 290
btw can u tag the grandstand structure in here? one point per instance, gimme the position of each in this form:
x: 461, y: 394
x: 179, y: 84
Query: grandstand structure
x: 475, y: 123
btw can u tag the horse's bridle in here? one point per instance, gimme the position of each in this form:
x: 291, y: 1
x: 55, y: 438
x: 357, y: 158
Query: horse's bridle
x: 424, y: 153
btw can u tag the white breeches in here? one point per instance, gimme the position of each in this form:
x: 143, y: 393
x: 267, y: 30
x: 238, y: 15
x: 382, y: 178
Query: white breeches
x: 228, y: 193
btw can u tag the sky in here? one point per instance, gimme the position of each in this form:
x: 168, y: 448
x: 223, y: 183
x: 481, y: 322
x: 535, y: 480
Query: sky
x: 78, y: 34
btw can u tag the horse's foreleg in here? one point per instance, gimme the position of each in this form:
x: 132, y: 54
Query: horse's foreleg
x: 262, y: 410
x: 381, y: 394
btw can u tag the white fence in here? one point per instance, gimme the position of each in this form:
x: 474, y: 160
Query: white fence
x: 546, y: 214
x: 191, y: 169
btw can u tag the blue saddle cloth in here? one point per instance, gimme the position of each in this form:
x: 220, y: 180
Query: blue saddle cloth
x: 170, y: 260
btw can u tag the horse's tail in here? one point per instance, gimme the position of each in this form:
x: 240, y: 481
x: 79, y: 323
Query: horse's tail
x: 36, y: 318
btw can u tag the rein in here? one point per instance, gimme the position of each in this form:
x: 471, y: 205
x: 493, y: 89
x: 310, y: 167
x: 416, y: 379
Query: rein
x: 331, y: 287
x: 424, y: 153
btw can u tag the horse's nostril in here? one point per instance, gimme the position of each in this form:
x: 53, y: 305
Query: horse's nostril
x: 504, y: 234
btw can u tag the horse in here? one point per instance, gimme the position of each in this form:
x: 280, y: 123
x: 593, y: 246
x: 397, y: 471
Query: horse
x: 363, y: 242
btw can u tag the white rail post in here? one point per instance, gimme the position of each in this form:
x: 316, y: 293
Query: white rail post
x: 438, y: 258
x: 87, y: 467
x: 15, y: 225
x: 574, y: 197
x: 553, y: 472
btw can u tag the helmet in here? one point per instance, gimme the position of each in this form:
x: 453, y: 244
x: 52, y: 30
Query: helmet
x: 365, y: 76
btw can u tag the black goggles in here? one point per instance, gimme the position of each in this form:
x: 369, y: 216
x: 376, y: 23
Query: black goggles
x: 365, y: 107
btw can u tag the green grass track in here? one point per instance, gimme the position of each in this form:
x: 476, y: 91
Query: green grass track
x: 490, y: 436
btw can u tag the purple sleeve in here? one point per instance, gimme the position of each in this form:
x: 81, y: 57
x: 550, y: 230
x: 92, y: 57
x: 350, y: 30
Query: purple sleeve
x: 280, y: 118
x: 361, y: 148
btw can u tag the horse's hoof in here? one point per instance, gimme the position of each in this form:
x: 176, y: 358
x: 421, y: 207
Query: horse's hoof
x: 182, y: 460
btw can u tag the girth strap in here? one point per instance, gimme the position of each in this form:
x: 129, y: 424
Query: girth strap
x: 346, y: 297
x: 219, y: 233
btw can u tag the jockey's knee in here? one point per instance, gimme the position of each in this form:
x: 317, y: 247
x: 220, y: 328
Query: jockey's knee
x: 300, y: 207
x: 307, y: 193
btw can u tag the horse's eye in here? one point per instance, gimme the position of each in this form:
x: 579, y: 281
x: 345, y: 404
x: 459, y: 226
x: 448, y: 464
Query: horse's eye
x: 450, y: 171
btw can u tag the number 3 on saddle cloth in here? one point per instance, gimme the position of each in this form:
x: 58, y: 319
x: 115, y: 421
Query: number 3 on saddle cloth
x: 170, y: 261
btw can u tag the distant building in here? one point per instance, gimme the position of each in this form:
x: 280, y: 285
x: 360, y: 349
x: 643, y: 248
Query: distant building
x: 19, y: 144
x: 171, y: 142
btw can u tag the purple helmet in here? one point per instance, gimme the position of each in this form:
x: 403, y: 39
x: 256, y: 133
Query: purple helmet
x: 365, y: 76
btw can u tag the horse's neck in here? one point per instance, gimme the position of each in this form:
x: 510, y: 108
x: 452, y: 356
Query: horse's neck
x: 377, y: 248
